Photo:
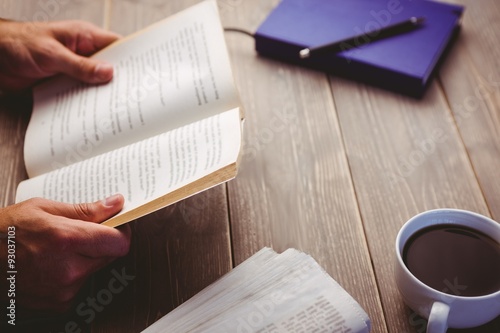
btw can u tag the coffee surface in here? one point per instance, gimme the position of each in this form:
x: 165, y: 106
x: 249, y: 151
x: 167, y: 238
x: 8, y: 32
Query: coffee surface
x: 454, y: 259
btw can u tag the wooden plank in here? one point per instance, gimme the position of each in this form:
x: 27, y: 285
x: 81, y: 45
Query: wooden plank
x: 294, y: 187
x: 176, y: 252
x: 14, y: 117
x: 406, y: 156
x: 470, y: 77
x: 15, y: 111
x: 471, y: 80
x: 52, y: 10
x: 197, y: 229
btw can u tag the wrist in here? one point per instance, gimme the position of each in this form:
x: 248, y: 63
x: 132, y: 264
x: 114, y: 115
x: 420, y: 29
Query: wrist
x: 3, y: 226
x: 5, y: 223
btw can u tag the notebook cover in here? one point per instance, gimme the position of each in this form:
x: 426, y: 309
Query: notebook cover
x: 402, y: 63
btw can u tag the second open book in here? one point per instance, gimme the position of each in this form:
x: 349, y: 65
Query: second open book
x: 269, y: 293
x: 166, y: 127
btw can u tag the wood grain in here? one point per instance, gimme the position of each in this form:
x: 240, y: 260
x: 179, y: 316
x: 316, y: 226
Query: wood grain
x: 471, y: 81
x: 14, y: 117
x: 406, y: 156
x: 16, y: 110
x: 177, y: 251
x: 329, y: 166
x: 294, y: 187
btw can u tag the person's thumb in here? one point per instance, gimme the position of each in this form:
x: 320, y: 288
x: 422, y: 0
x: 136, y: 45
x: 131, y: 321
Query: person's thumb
x: 82, y: 68
x: 98, y: 211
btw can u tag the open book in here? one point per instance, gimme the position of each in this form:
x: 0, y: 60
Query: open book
x: 166, y: 127
x: 269, y: 293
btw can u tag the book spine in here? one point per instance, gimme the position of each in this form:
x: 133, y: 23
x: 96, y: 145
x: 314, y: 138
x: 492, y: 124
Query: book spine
x: 342, y: 65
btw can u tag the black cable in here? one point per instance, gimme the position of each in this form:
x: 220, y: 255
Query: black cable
x: 242, y: 31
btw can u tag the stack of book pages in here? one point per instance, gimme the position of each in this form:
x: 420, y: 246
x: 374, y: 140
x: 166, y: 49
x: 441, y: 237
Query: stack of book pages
x: 269, y: 292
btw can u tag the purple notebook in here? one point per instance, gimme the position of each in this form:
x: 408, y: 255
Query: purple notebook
x: 403, y: 63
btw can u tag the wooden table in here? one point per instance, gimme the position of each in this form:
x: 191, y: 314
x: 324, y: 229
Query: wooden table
x: 330, y: 166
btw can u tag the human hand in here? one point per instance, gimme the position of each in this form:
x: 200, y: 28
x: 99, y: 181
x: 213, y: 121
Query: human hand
x: 58, y: 246
x: 31, y: 51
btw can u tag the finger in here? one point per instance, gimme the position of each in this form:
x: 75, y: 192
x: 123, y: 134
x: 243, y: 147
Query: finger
x: 110, y: 243
x: 50, y: 297
x: 82, y: 37
x: 70, y: 274
x: 97, y: 211
x: 125, y: 230
x: 57, y: 298
x: 14, y: 83
x: 33, y: 306
x: 81, y: 68
x: 100, y: 38
x: 98, y: 241
x: 89, y: 239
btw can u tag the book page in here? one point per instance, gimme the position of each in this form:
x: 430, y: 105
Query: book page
x: 146, y: 170
x: 173, y: 73
x: 268, y: 293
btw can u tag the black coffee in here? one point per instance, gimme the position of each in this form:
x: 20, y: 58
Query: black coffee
x: 454, y: 259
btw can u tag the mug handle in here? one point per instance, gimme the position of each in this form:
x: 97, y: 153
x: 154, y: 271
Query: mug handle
x: 438, y: 319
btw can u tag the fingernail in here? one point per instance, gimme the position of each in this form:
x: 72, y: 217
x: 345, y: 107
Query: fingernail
x: 103, y: 71
x: 112, y: 200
